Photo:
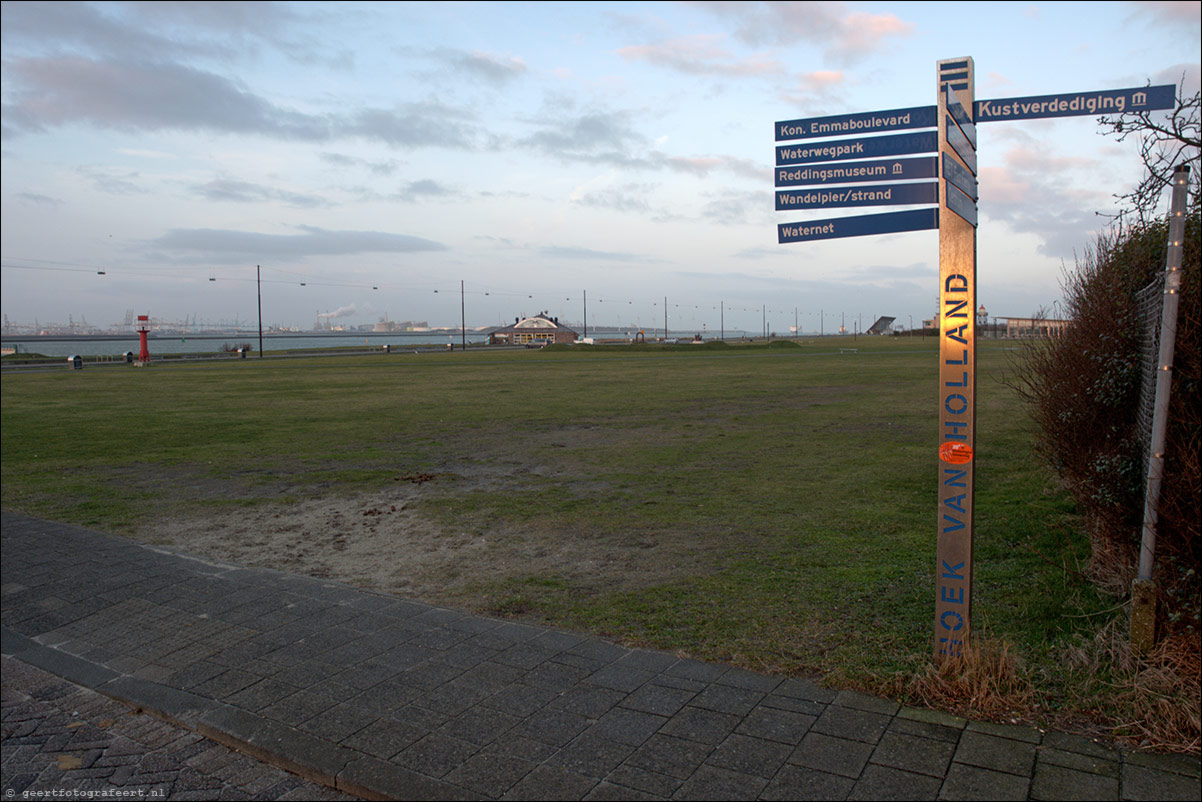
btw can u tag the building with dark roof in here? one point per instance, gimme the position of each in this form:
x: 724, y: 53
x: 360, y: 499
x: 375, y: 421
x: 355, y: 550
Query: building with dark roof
x: 535, y: 330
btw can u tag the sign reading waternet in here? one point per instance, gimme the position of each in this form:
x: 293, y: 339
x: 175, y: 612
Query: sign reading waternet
x: 950, y: 205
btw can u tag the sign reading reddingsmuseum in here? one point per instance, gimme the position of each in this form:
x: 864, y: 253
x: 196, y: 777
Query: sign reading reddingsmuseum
x: 840, y: 172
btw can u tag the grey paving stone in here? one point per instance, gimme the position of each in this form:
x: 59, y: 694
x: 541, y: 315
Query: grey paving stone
x: 299, y: 707
x: 491, y: 774
x: 435, y: 755
x: 1189, y: 765
x: 1080, y: 745
x: 727, y: 699
x: 520, y: 699
x: 1142, y: 782
x: 647, y: 660
x: 748, y: 755
x: 555, y: 727
x: 480, y: 725
x: 606, y: 790
x: 846, y: 722
x: 556, y: 676
x: 548, y: 782
x: 999, y: 754
x: 629, y: 727
x: 711, y: 782
x: 588, y: 700
x: 801, y: 783
x: 384, y: 737
x: 793, y: 704
x: 491, y: 677
x: 834, y: 755
x: 704, y: 726
x: 911, y: 753
x: 374, y: 778
x: 590, y: 756
x: 340, y: 721
x: 885, y: 783
x: 451, y: 699
x: 923, y: 729
x: 871, y: 704
x: 749, y: 680
x: 1106, y: 765
x: 598, y: 650
x: 620, y: 677
x: 1015, y: 732
x: 1052, y: 782
x: 964, y: 782
x: 658, y: 699
x: 261, y: 694
x: 674, y: 757
x: 776, y: 725
x: 696, y: 670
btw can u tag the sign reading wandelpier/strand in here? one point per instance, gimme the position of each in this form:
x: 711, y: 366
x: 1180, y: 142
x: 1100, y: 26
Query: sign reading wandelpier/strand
x: 950, y: 205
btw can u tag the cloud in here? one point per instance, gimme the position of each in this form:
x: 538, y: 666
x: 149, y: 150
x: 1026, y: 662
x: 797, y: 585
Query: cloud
x: 223, y: 32
x: 846, y: 37
x: 626, y: 198
x: 111, y: 182
x: 38, y: 199
x: 497, y: 70
x: 228, y: 190
x: 733, y: 208
x: 560, y: 252
x: 761, y: 253
x: 701, y: 54
x: 387, y: 167
x: 225, y: 244
x: 1037, y: 194
x: 1178, y: 16
x: 50, y: 92
x: 124, y: 95
x: 424, y: 189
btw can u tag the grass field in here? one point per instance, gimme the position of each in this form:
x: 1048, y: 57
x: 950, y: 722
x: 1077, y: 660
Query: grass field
x: 773, y: 506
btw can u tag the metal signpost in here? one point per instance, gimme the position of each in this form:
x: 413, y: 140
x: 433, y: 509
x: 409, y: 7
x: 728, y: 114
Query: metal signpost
x: 950, y: 205
x: 957, y: 359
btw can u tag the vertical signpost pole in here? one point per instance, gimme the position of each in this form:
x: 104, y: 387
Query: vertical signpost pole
x: 957, y: 355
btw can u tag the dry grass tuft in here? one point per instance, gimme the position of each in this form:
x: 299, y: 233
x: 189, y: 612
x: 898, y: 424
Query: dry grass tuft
x: 988, y: 681
x: 1152, y: 702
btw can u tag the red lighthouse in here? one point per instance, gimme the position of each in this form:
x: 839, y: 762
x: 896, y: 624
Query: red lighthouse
x: 143, y: 330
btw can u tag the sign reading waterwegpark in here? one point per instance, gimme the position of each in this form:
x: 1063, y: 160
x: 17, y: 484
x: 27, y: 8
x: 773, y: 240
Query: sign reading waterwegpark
x: 951, y: 203
x: 840, y: 149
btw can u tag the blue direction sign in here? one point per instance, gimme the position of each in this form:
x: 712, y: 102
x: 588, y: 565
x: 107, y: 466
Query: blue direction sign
x: 963, y: 179
x: 1111, y: 101
x: 956, y: 109
x: 872, y: 195
x: 960, y: 144
x: 857, y: 172
x: 961, y: 204
x: 868, y: 122
x: 869, y: 147
x: 863, y: 225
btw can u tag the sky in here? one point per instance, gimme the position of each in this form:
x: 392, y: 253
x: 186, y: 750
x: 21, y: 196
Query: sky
x: 376, y: 159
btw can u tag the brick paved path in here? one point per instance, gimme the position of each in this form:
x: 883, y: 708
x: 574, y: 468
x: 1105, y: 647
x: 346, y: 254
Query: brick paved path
x: 59, y: 737
x: 385, y: 697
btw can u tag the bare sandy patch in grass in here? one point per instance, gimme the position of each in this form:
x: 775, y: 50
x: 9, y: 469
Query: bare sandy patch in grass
x: 383, y: 541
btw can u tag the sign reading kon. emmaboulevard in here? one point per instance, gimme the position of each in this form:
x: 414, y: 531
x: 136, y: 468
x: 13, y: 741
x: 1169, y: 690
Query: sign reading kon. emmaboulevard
x: 820, y: 167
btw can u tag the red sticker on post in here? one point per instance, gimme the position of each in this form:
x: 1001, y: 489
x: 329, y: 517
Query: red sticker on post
x: 955, y: 453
